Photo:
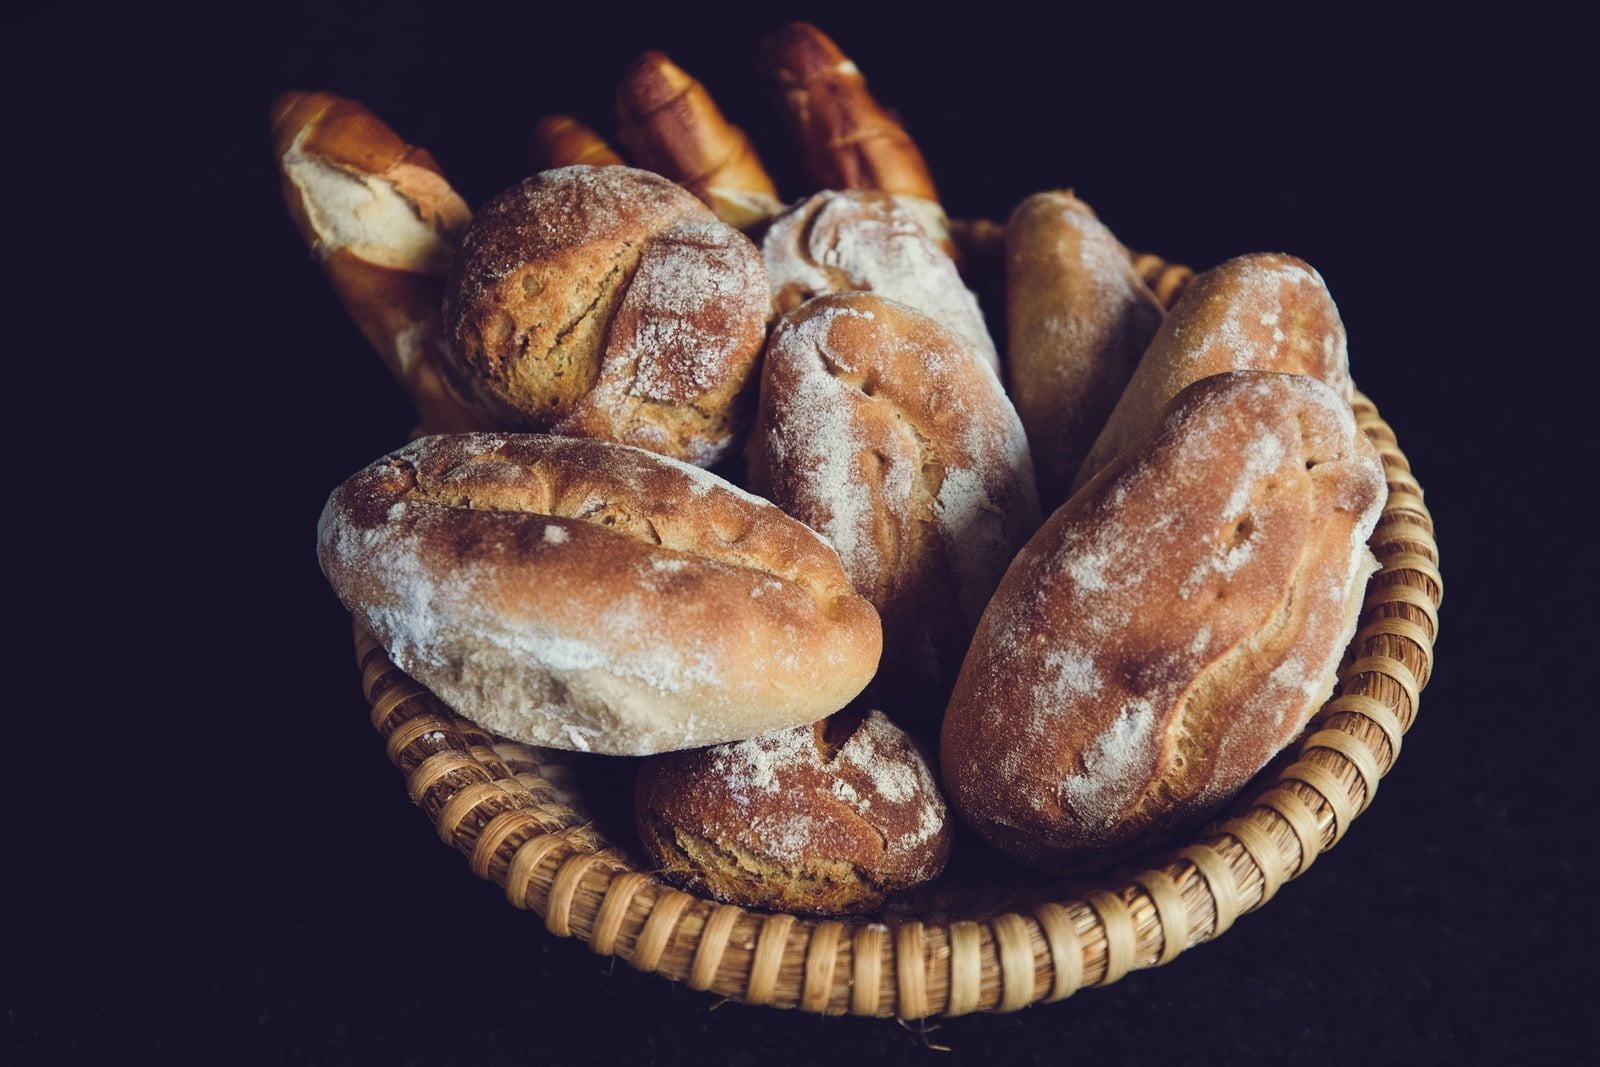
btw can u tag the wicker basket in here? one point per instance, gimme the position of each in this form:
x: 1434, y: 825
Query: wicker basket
x: 524, y: 819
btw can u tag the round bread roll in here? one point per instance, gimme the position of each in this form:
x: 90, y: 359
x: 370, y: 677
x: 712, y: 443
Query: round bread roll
x: 584, y: 595
x: 1078, y: 317
x: 608, y: 302
x: 1266, y: 311
x: 878, y: 428
x: 863, y: 241
x: 827, y: 818
x: 1170, y: 628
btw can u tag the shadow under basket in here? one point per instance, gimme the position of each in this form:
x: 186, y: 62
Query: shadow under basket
x: 521, y: 817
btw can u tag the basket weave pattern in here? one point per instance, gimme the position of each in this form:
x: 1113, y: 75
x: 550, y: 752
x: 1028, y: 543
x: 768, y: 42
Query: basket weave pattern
x: 517, y: 814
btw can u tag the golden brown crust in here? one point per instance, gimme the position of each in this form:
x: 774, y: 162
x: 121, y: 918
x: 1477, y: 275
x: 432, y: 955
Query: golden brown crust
x: 669, y: 124
x: 880, y: 429
x: 1166, y: 281
x: 866, y: 241
x: 609, y: 302
x: 380, y: 217
x: 843, y: 137
x: 580, y: 594
x: 828, y: 819
x: 1266, y: 311
x: 563, y: 141
x: 1170, y: 628
x: 1078, y: 317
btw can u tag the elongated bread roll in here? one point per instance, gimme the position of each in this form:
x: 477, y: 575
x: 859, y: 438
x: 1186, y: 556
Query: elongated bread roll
x: 669, y: 124
x: 843, y: 137
x: 1265, y: 311
x: 1078, y: 317
x: 836, y: 242
x: 584, y: 595
x: 879, y: 429
x: 828, y: 818
x: 379, y: 216
x: 1170, y: 628
x: 563, y: 141
x: 608, y: 302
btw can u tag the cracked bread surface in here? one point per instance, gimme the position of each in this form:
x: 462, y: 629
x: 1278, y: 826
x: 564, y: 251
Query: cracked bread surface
x: 879, y: 428
x: 827, y: 818
x: 590, y: 596
x: 608, y: 302
x: 868, y: 241
x: 1171, y: 628
x: 1260, y: 312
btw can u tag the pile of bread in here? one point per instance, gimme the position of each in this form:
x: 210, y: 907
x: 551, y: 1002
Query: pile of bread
x: 746, y: 488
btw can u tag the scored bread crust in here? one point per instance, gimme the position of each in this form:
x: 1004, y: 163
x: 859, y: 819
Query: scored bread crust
x: 590, y: 596
x: 1170, y: 628
x: 1266, y: 312
x: 608, y: 302
x: 1078, y: 317
x: 843, y: 137
x: 864, y: 241
x: 878, y: 428
x: 801, y: 819
x: 669, y: 123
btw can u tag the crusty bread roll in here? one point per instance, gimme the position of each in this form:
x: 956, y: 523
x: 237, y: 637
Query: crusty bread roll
x: 1259, y: 312
x: 669, y: 124
x: 584, y: 595
x: 563, y: 141
x: 1170, y: 628
x: 843, y: 138
x: 608, y: 302
x: 1078, y: 317
x: 879, y: 429
x: 828, y: 818
x: 857, y: 241
x: 379, y: 216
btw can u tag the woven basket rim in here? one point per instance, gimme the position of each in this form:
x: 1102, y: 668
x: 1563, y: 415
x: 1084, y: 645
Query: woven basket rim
x: 512, y: 810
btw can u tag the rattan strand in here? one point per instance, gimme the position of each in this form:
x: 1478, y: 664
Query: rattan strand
x: 516, y: 813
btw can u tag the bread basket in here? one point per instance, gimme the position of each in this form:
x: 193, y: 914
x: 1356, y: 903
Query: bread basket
x: 526, y: 819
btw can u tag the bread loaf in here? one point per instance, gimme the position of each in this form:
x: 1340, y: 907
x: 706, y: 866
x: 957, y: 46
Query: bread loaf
x: 380, y: 217
x: 836, y: 242
x: 1170, y: 628
x: 608, y: 302
x: 827, y: 818
x: 843, y: 137
x: 669, y: 124
x: 584, y: 595
x: 1078, y: 317
x: 562, y: 141
x: 1266, y: 312
x: 879, y: 429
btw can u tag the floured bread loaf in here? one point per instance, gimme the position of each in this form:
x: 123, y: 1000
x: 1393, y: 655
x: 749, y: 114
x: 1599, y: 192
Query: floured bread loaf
x: 879, y: 429
x: 380, y: 217
x: 584, y: 595
x: 873, y: 242
x: 1265, y: 311
x: 1170, y: 628
x: 827, y: 818
x: 1078, y: 317
x: 608, y: 302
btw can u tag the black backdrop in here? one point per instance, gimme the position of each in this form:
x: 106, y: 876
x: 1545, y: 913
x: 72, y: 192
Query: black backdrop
x: 211, y: 859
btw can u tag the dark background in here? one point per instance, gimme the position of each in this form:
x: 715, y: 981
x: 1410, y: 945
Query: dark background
x: 210, y: 860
